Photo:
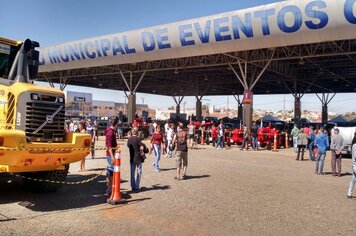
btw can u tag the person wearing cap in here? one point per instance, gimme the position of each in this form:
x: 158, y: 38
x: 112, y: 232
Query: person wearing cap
x: 337, y: 144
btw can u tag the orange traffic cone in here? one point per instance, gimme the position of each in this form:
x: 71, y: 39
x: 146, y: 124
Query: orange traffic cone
x: 115, y: 197
x: 287, y: 141
x: 275, y: 143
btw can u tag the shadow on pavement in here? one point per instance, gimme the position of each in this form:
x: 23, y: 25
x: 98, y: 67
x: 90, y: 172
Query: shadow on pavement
x: 188, y: 177
x: 342, y: 174
x: 199, y: 148
x: 168, y: 169
x: 97, y: 158
x: 153, y: 187
x: 65, y: 198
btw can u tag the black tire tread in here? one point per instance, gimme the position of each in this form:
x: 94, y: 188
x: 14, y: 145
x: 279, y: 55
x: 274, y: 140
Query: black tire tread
x: 36, y: 186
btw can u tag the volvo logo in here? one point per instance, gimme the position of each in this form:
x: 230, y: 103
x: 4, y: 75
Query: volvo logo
x: 49, y: 119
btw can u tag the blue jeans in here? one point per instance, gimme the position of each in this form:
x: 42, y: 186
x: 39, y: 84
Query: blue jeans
x: 295, y: 143
x: 319, y: 165
x: 221, y: 141
x: 311, y: 152
x: 352, y: 182
x: 254, y: 143
x: 157, y: 150
x: 110, y: 167
x: 135, y: 182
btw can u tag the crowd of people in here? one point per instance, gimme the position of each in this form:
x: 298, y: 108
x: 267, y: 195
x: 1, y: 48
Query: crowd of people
x: 172, y: 142
x: 317, y: 143
x: 167, y: 141
x: 87, y: 127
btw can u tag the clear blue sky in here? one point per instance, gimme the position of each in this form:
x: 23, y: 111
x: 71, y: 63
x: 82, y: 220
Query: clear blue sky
x: 51, y: 22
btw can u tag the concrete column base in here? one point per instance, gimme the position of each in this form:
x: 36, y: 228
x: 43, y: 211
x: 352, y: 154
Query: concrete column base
x: 198, y: 110
x: 131, y: 108
x: 324, y: 114
x: 178, y: 109
x: 297, y: 112
x: 247, y: 108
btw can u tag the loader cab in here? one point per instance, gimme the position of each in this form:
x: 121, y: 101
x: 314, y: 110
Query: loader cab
x: 8, y: 51
x: 19, y: 61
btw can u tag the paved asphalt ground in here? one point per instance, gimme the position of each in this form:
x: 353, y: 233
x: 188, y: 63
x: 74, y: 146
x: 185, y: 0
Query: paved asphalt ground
x: 228, y: 192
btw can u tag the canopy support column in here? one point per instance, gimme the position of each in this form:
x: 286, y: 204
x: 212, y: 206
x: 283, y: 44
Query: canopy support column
x: 248, y: 82
x: 178, y: 100
x: 325, y: 100
x: 63, y: 82
x: 131, y: 106
x: 297, y: 101
x: 198, y: 107
x: 50, y: 82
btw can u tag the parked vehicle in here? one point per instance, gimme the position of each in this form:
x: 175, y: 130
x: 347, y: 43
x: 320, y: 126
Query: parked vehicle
x: 347, y: 133
x: 101, y: 127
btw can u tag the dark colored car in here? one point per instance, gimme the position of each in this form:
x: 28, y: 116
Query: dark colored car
x: 101, y: 127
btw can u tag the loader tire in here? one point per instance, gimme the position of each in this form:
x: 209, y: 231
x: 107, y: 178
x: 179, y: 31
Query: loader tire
x: 45, y: 187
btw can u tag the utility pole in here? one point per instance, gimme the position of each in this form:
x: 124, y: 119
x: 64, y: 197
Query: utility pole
x: 184, y: 106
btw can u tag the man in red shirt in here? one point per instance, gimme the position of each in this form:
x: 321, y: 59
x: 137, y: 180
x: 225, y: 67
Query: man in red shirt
x: 111, y: 146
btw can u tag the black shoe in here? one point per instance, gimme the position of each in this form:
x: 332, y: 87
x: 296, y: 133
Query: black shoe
x: 184, y: 177
x: 176, y: 178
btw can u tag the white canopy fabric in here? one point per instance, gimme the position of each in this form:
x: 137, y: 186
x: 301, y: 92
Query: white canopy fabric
x: 280, y: 24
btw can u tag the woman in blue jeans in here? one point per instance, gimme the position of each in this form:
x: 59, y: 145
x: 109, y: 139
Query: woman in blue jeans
x: 322, y: 143
x: 156, y: 142
x: 353, y: 179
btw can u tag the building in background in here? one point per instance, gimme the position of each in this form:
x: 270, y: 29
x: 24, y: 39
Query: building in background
x: 80, y: 105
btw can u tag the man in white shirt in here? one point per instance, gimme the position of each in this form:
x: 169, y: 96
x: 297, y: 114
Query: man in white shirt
x: 71, y: 126
x: 169, y: 138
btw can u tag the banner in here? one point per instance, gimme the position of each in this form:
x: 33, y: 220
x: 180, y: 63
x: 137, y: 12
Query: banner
x: 275, y: 25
